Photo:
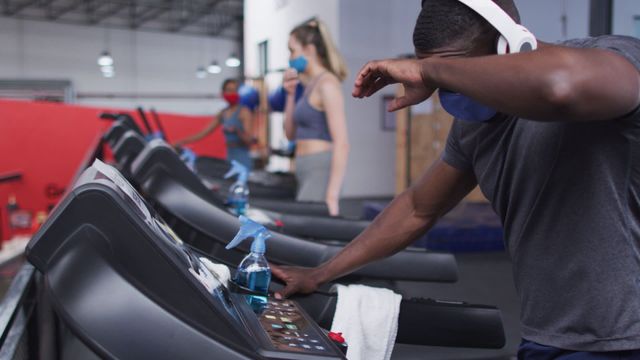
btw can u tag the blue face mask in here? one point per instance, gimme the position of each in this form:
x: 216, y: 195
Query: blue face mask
x: 299, y: 63
x: 465, y: 108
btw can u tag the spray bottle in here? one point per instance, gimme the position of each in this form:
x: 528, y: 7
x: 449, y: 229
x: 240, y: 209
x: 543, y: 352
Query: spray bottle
x: 239, y: 191
x: 189, y: 157
x: 253, y: 272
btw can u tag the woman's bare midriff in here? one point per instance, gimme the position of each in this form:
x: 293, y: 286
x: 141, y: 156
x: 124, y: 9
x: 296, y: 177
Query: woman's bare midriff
x: 312, y: 146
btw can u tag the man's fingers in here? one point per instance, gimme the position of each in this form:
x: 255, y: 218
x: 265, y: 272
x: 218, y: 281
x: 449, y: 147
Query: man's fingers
x: 366, y: 69
x: 278, y: 271
x: 369, y: 72
x: 399, y: 103
x: 379, y: 84
x: 285, y: 293
x: 367, y: 84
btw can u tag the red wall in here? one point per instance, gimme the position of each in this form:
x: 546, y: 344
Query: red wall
x: 47, y: 142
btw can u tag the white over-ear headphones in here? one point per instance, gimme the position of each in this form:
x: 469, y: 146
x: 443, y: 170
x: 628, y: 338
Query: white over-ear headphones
x: 514, y: 37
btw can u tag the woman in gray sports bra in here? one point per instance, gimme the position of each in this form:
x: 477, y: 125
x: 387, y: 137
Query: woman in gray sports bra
x: 317, y: 121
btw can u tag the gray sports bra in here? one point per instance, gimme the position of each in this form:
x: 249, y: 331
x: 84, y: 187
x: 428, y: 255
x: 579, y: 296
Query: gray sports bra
x: 310, y: 122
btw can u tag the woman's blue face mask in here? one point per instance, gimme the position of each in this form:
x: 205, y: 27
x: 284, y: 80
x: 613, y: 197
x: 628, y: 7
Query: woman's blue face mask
x: 299, y: 63
x: 465, y: 108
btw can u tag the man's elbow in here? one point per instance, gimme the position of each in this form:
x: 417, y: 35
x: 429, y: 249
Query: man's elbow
x: 570, y: 92
x: 561, y: 92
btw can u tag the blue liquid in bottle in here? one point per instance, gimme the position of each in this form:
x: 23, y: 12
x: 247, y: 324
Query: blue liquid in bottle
x: 238, y: 198
x: 254, y: 274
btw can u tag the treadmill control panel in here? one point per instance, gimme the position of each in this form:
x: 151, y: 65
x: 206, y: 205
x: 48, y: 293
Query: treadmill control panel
x: 288, y: 329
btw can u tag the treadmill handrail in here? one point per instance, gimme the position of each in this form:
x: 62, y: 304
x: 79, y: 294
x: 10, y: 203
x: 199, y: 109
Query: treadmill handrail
x: 412, y: 265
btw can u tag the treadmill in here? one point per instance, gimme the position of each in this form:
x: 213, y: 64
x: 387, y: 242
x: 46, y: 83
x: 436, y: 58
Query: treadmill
x: 121, y: 285
x: 308, y: 226
x: 270, y: 191
x: 191, y: 210
x: 264, y: 184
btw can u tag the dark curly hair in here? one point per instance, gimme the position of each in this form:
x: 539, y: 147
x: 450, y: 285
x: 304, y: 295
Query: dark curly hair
x: 449, y: 23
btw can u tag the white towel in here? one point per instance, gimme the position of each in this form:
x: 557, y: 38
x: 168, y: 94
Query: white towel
x: 367, y: 317
x: 221, y: 271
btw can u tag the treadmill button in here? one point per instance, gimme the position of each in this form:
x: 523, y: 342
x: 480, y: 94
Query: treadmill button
x: 314, y: 341
x: 306, y: 346
x: 276, y: 326
x: 270, y: 317
x: 293, y: 345
x: 284, y: 319
x: 290, y: 326
x: 319, y: 347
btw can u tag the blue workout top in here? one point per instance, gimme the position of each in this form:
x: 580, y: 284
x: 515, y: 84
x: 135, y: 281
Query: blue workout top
x: 232, y: 121
x: 310, y: 122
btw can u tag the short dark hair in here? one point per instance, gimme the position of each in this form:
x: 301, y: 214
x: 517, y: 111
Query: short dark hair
x: 449, y: 22
x: 229, y: 81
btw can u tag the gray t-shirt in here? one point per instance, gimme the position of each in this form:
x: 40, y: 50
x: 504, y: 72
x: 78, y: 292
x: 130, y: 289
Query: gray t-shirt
x: 568, y: 195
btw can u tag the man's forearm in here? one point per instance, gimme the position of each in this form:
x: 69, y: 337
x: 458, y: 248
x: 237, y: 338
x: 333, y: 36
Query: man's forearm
x: 393, y: 230
x: 553, y: 83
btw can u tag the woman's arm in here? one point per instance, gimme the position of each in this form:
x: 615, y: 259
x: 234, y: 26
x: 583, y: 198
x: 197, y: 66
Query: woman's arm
x: 195, y: 137
x: 290, y: 83
x: 247, y: 122
x: 333, y: 103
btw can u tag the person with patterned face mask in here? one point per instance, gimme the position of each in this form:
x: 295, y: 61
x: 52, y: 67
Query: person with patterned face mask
x: 236, y: 122
x: 317, y: 121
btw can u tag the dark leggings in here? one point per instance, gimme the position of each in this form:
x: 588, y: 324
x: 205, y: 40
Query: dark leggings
x: 533, y: 351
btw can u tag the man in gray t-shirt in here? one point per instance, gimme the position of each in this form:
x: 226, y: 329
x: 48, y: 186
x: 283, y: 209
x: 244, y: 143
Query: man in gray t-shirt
x: 552, y: 137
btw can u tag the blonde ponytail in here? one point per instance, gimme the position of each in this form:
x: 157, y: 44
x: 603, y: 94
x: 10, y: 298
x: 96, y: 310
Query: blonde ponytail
x: 315, y: 32
x: 335, y: 61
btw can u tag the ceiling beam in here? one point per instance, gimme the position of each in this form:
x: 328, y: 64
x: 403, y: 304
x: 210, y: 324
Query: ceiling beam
x: 104, y: 15
x: 133, y: 12
x: 195, y: 16
x: 56, y: 14
x: 150, y: 14
x: 21, y: 6
x: 224, y: 24
x: 201, y: 17
x: 92, y: 9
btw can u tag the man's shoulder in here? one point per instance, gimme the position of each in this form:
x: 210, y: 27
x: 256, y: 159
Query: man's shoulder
x: 603, y: 41
x: 626, y: 46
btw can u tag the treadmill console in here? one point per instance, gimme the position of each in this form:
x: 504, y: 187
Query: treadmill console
x: 104, y: 242
x: 287, y: 328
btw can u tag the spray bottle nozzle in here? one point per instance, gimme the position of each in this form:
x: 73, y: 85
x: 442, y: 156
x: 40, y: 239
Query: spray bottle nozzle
x: 250, y: 228
x: 238, y: 169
